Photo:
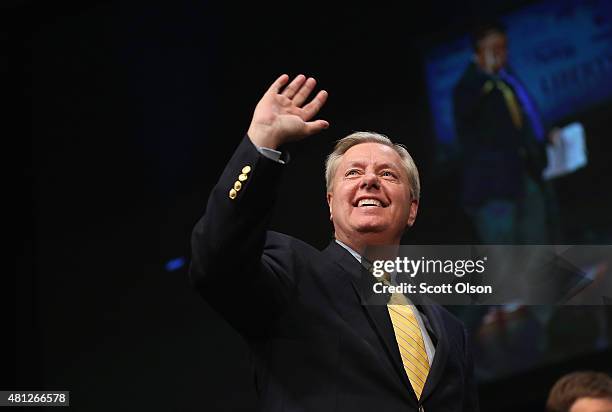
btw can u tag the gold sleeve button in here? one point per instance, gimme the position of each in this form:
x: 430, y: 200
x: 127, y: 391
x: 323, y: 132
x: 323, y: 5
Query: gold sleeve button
x: 246, y: 169
x: 232, y: 194
x: 243, y: 177
x: 237, y: 186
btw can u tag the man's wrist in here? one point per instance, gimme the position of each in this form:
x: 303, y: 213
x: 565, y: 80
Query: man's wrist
x: 267, y: 151
x: 261, y: 138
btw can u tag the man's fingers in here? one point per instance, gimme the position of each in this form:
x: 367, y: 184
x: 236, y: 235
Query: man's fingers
x: 305, y: 90
x: 315, y: 105
x: 278, y: 83
x: 294, y: 86
x: 316, y: 126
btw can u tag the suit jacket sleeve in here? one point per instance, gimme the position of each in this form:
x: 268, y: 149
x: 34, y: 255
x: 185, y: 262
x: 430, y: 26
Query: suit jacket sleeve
x: 241, y: 270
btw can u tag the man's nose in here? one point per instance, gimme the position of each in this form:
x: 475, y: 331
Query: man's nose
x: 370, y: 180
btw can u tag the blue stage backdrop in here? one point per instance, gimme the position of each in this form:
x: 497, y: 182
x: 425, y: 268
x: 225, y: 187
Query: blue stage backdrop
x: 561, y: 50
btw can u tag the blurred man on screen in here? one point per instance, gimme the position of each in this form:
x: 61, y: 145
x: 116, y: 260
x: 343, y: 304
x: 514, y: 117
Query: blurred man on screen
x: 503, y: 141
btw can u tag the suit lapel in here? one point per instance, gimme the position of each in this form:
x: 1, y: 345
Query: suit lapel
x: 375, y: 305
x: 438, y: 365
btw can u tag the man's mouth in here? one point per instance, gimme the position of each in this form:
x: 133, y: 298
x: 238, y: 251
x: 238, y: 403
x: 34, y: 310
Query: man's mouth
x: 370, y: 202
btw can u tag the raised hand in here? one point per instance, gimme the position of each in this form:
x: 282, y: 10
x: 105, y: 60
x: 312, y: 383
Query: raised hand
x: 281, y: 116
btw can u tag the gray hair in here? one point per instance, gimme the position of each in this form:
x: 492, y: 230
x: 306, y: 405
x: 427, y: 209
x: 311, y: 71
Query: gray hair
x: 344, y: 144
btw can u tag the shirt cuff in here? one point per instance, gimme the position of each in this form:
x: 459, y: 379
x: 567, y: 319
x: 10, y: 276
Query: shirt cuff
x: 272, y: 154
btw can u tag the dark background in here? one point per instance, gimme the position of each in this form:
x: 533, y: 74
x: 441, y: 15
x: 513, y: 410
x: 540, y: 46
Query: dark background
x: 135, y: 107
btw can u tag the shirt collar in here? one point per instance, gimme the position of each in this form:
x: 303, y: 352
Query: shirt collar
x: 364, y: 262
x: 351, y: 251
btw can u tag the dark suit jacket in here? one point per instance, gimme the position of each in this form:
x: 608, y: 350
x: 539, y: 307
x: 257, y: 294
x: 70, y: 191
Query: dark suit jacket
x: 316, y: 345
x: 496, y: 155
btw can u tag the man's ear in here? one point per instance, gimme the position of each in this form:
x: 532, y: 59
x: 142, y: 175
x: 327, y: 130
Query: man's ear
x: 330, y: 196
x: 414, y: 208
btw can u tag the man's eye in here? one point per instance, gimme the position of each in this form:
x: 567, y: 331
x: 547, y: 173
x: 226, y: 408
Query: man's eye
x: 352, y: 172
x: 387, y: 173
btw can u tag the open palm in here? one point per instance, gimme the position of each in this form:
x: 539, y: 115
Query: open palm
x: 281, y: 116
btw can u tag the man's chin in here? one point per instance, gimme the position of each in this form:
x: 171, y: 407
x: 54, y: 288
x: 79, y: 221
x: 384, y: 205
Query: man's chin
x: 374, y: 238
x: 370, y: 229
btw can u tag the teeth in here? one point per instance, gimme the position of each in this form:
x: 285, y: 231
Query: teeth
x: 369, y: 202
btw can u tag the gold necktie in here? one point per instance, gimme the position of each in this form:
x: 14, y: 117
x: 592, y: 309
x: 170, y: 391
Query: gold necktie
x: 410, y: 341
x: 511, y: 102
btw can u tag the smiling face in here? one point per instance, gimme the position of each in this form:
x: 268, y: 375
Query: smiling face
x: 370, y: 201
